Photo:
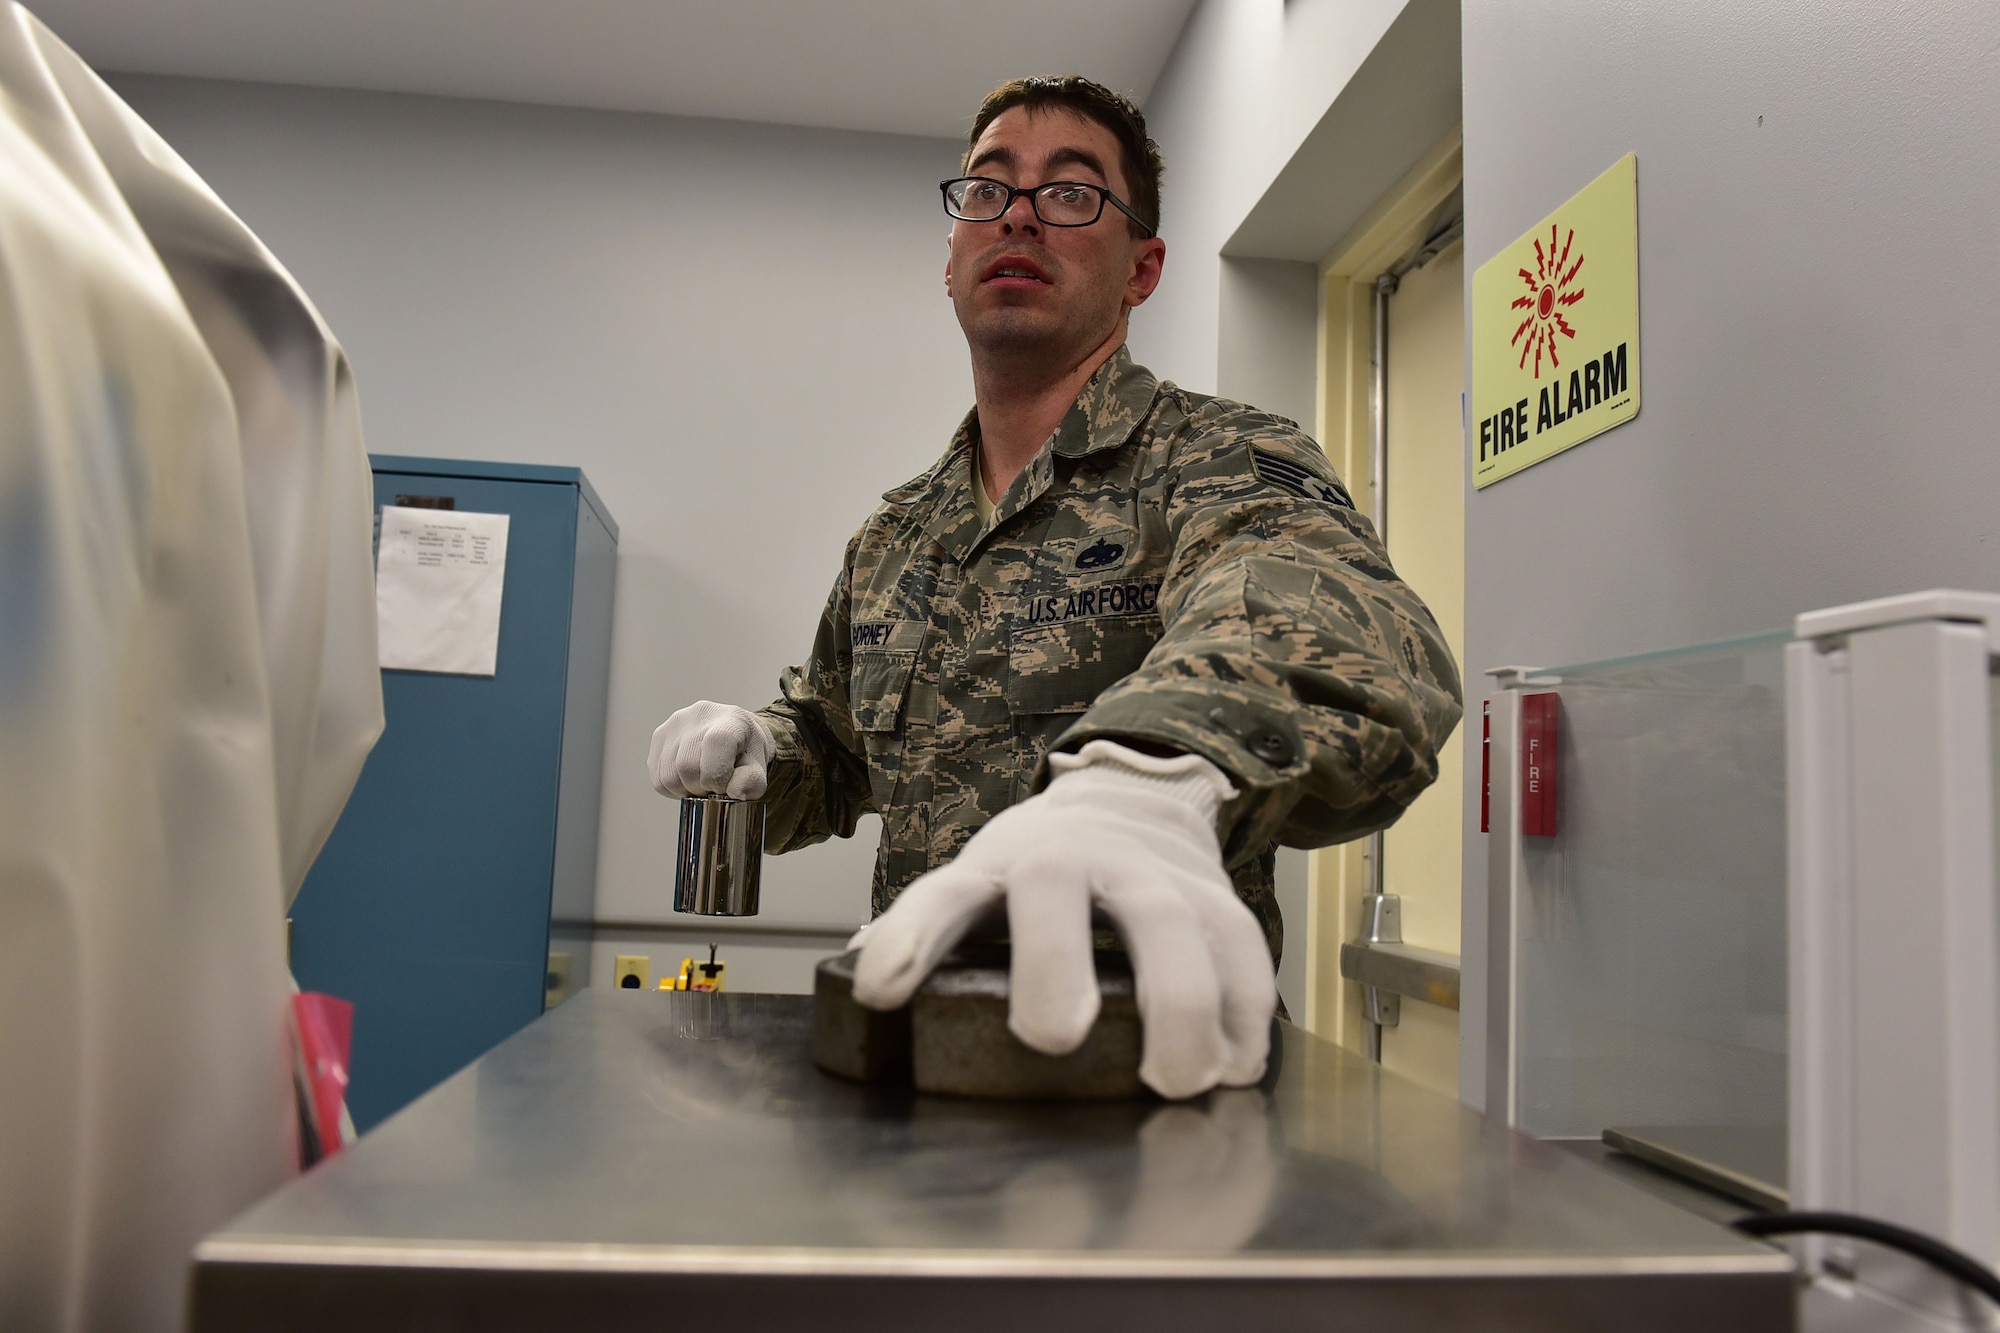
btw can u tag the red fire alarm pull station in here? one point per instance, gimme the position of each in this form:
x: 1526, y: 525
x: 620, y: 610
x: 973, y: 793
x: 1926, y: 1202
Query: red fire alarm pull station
x: 1538, y: 764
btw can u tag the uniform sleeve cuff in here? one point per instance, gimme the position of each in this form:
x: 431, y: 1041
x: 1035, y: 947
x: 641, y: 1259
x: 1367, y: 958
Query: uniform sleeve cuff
x: 1186, y: 777
x: 1263, y: 755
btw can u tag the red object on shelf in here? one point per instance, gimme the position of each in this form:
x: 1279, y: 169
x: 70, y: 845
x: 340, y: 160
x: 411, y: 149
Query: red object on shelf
x: 1538, y: 764
x: 325, y: 1027
x: 1485, y: 765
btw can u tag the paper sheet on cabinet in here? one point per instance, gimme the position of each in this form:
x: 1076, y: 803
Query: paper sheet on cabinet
x: 437, y: 589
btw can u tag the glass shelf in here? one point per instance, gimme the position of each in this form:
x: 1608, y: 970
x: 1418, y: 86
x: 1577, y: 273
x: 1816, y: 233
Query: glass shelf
x: 1651, y: 956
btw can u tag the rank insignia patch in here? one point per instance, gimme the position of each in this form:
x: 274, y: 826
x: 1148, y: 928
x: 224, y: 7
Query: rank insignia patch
x: 1289, y: 476
x: 1102, y: 555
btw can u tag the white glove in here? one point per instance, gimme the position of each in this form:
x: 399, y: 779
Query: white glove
x: 1134, y: 836
x: 709, y: 749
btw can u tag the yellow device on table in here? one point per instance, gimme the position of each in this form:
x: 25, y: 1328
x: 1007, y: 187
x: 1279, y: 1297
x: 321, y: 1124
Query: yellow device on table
x: 709, y: 976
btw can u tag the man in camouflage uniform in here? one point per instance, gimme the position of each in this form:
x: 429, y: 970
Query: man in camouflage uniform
x: 1177, y: 582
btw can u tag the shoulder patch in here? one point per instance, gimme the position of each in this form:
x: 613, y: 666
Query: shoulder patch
x: 1296, y: 479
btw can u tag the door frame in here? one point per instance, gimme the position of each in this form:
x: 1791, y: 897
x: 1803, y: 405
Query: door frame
x: 1337, y: 877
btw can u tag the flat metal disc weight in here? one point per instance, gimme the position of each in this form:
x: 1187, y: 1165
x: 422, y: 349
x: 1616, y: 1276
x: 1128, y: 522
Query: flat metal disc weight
x: 952, y: 1036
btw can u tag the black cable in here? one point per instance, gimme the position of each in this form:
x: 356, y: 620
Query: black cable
x: 1953, y: 1262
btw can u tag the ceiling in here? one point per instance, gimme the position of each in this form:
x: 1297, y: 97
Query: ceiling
x: 896, y: 66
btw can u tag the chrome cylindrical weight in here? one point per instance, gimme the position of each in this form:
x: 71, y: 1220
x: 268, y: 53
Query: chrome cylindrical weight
x: 721, y: 859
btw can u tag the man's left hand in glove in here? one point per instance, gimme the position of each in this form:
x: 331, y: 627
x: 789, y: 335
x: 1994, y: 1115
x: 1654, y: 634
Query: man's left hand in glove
x: 1133, y: 836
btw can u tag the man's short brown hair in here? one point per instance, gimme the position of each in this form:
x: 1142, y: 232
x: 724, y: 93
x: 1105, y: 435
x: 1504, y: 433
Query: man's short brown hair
x: 1139, y: 155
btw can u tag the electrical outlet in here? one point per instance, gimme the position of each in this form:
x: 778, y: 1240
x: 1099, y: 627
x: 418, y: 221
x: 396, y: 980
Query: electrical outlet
x: 555, y: 982
x: 632, y: 971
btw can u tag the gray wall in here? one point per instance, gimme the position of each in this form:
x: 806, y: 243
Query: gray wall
x: 1281, y: 125
x: 1267, y: 343
x: 739, y: 332
x: 1819, y: 239
x: 1246, y: 86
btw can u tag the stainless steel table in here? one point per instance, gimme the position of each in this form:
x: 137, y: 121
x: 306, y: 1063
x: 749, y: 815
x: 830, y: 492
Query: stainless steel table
x: 669, y: 1158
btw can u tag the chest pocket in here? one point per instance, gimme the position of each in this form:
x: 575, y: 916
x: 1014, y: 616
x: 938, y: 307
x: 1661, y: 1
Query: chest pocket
x: 1062, y: 668
x: 885, y: 657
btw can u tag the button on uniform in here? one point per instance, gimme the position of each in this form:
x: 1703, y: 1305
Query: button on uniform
x: 1271, y: 748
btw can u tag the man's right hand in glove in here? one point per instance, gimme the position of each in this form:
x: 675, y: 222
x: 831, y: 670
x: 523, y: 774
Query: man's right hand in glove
x: 710, y: 749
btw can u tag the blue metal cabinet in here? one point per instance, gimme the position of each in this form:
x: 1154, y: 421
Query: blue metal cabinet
x: 452, y: 902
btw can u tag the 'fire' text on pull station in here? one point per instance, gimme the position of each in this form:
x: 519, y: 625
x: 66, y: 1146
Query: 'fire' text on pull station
x: 1538, y: 764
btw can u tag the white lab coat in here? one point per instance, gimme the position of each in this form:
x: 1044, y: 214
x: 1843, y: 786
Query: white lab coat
x: 188, y: 688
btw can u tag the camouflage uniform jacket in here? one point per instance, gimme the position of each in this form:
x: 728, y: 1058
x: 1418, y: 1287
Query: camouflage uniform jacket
x: 1171, y: 568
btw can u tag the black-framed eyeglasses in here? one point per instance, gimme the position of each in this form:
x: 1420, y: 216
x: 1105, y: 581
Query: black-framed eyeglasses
x: 1056, y: 203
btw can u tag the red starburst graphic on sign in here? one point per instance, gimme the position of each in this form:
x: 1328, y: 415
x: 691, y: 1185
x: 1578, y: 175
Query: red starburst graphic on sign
x: 1551, y: 290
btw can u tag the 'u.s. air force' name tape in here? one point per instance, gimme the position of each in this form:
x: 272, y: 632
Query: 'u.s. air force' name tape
x: 1104, y: 599
x: 1098, y: 600
x: 1286, y: 475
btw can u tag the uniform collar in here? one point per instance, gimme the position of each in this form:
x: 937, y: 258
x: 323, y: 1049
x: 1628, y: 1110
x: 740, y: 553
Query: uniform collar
x: 953, y: 520
x: 1112, y: 404
x: 1107, y: 411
